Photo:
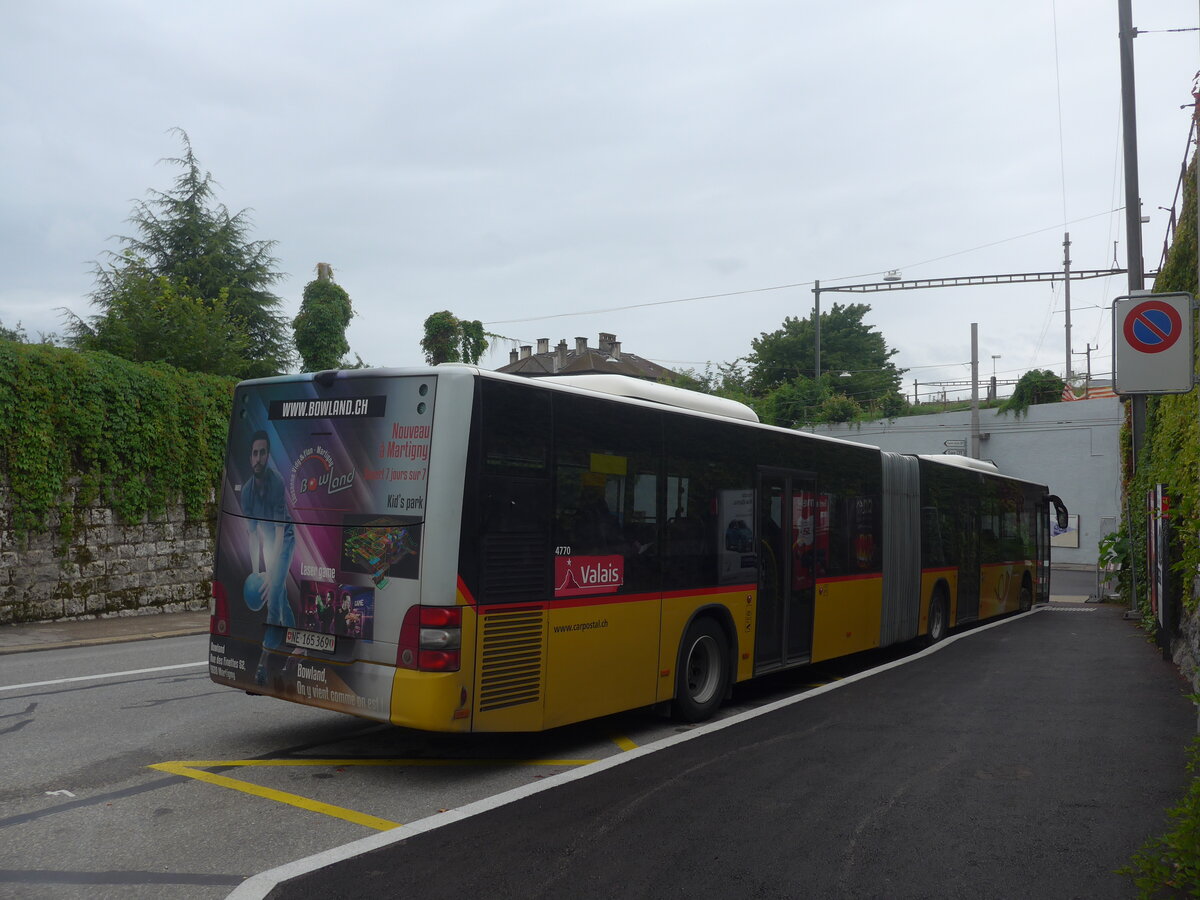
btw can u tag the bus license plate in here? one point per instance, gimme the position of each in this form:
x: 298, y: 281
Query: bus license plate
x: 310, y: 640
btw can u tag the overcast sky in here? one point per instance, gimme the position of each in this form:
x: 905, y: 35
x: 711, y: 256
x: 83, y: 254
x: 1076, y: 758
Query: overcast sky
x: 561, y: 169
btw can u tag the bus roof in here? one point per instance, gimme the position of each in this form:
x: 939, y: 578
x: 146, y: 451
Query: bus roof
x: 655, y: 392
x: 985, y: 466
x: 624, y: 387
x: 963, y: 462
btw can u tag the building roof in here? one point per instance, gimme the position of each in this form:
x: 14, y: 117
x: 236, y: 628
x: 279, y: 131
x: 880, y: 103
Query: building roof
x: 608, y: 359
x: 1092, y: 390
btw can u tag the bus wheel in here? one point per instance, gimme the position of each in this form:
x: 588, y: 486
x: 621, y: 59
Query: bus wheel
x: 702, y: 674
x: 1026, y: 598
x: 939, y: 618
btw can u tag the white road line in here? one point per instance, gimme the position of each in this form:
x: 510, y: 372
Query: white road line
x: 35, y: 684
x: 259, y: 886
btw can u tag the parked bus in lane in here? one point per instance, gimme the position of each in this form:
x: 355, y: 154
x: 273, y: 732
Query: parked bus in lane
x: 452, y: 549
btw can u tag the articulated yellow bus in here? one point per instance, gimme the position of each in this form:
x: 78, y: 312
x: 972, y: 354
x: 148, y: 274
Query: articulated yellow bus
x: 452, y: 549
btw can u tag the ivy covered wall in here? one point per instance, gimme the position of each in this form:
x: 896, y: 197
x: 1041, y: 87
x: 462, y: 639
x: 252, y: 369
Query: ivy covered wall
x: 109, y: 472
x: 1170, y: 455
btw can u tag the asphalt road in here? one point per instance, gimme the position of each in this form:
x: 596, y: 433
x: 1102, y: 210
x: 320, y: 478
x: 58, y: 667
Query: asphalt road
x: 1030, y: 759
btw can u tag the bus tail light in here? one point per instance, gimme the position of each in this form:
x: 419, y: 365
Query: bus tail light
x: 430, y: 639
x: 218, y: 611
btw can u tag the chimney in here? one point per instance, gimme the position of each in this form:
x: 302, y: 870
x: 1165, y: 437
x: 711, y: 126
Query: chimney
x: 606, y: 342
x: 512, y: 356
x: 560, y: 355
x: 615, y: 350
x: 580, y: 345
x: 543, y: 346
x: 526, y: 349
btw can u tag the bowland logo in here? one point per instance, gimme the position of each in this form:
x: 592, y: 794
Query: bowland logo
x: 313, y: 472
x: 577, y: 576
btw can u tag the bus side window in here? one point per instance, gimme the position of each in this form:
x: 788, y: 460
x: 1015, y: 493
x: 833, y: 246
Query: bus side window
x: 515, y: 505
x: 606, y: 486
x: 686, y: 548
x: 516, y: 430
x: 709, y: 505
x: 514, y: 534
x: 513, y: 502
x: 931, y: 537
x: 595, y: 530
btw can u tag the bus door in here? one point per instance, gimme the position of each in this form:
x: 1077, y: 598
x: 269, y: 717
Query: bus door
x: 785, y: 537
x: 968, y: 561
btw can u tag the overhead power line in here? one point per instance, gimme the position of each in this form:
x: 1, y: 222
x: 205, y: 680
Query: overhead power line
x: 781, y: 287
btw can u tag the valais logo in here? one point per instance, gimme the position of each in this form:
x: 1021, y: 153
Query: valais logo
x: 576, y: 576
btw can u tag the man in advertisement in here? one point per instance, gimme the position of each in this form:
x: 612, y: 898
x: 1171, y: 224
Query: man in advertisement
x: 272, y: 542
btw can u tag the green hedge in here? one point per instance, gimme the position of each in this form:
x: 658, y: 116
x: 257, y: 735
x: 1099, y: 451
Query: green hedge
x: 1170, y: 453
x: 1169, y: 866
x: 137, y: 437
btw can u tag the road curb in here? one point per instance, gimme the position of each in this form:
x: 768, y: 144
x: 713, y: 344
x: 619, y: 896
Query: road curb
x: 98, y: 641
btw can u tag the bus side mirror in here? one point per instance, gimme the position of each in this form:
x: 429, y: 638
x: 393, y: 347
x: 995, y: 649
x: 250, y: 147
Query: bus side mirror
x: 1060, y: 511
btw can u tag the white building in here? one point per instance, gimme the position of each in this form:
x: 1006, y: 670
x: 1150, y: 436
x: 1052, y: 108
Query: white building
x: 1071, y: 447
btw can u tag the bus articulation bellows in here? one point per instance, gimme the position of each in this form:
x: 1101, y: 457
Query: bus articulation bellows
x: 452, y: 549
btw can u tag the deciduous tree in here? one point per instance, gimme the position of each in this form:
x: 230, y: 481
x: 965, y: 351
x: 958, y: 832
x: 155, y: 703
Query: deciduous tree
x: 151, y: 318
x: 320, y: 328
x: 850, y: 349
x: 450, y: 339
x: 1035, y: 386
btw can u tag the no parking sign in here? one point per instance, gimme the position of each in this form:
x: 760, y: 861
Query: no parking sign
x: 1152, y: 337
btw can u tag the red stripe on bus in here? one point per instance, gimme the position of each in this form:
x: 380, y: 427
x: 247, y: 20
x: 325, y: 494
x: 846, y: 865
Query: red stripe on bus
x: 711, y: 591
x: 839, y: 578
x: 465, y: 591
x: 605, y: 600
x: 602, y: 600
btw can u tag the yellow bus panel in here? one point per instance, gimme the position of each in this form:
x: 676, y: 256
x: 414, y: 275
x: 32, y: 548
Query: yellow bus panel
x: 601, y: 659
x: 1000, y: 588
x: 847, y: 617
x: 427, y: 700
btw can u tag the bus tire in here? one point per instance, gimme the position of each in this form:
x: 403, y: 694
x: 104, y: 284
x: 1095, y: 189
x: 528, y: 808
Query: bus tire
x: 703, y: 671
x: 1026, y: 598
x: 939, y: 618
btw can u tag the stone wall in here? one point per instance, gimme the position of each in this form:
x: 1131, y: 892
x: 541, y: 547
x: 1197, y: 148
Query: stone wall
x: 1185, y: 650
x: 104, y: 567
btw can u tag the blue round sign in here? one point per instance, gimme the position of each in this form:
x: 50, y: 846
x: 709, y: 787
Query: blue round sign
x: 1153, y: 326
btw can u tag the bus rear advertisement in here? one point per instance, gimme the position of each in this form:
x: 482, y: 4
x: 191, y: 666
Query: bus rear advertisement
x: 320, y: 537
x: 452, y: 549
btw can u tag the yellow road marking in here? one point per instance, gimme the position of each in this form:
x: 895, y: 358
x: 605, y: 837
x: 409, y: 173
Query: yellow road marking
x: 415, y: 761
x: 296, y: 800
x: 192, y: 768
x: 624, y: 743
